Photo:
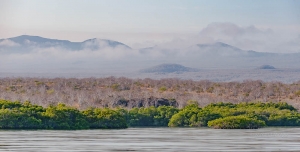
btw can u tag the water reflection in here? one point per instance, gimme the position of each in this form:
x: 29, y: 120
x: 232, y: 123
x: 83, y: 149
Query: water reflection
x: 152, y: 139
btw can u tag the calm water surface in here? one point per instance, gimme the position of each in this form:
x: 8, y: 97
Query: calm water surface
x: 152, y: 139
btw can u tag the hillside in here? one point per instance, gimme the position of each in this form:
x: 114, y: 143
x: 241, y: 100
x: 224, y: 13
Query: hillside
x: 266, y: 67
x: 168, y: 68
x: 29, y: 54
x: 27, y: 43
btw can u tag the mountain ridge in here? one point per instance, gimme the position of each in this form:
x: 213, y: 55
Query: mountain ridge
x: 109, y: 53
x: 168, y: 68
x: 25, y: 41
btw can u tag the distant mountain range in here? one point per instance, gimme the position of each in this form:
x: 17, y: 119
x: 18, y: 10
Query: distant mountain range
x: 25, y: 43
x: 212, y: 49
x: 223, y: 49
x: 213, y: 55
x: 266, y: 67
x: 177, y: 68
x: 168, y: 68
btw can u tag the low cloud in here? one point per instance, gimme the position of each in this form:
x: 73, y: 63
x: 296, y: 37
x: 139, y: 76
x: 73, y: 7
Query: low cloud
x: 28, y: 42
x: 98, y: 54
x: 8, y: 43
x: 251, y: 38
x: 243, y: 37
x: 40, y: 59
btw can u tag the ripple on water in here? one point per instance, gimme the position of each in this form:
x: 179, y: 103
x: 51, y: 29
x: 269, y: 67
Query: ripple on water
x: 152, y: 139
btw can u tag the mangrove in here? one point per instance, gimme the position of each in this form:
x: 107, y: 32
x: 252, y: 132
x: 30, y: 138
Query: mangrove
x: 251, y: 115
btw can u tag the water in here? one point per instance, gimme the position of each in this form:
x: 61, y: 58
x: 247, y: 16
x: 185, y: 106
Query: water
x: 152, y: 139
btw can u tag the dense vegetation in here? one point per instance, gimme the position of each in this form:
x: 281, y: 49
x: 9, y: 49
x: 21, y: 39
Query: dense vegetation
x: 17, y: 115
x: 236, y: 122
x: 129, y: 93
x: 229, y: 115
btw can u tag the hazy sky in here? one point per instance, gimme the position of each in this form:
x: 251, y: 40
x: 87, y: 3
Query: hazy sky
x: 141, y: 21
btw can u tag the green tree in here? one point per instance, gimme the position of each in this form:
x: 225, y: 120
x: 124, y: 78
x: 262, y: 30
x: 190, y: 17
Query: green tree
x: 105, y: 118
x: 64, y: 117
x: 236, y: 122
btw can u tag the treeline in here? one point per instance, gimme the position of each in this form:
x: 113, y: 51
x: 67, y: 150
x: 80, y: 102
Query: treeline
x: 129, y: 93
x: 17, y: 115
x: 237, y: 116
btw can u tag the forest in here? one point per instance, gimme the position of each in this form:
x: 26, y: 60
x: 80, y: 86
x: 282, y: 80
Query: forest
x: 130, y: 93
x: 115, y: 103
x: 252, y: 115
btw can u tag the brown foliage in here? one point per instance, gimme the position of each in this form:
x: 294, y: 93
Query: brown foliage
x: 106, y: 92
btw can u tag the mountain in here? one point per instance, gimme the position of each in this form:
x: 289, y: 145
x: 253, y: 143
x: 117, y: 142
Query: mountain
x: 26, y: 43
x: 223, y: 49
x: 101, y: 43
x: 221, y: 55
x: 218, y: 48
x: 266, y: 67
x: 210, y: 49
x: 24, y: 52
x: 168, y: 68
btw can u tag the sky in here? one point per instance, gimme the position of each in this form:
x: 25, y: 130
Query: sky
x: 142, y: 23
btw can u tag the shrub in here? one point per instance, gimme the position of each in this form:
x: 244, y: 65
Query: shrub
x: 105, y: 118
x: 64, y: 117
x: 162, y: 89
x: 236, y: 122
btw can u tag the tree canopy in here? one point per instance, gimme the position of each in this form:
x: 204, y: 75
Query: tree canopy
x: 17, y: 115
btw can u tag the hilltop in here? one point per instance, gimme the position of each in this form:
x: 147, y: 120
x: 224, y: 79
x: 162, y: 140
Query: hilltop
x: 168, y: 68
